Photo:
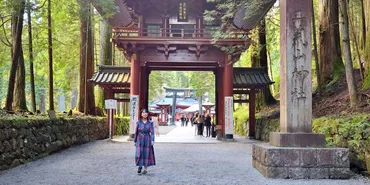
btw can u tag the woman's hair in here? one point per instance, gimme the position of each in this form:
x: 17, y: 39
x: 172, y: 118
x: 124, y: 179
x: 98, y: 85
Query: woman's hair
x: 144, y: 110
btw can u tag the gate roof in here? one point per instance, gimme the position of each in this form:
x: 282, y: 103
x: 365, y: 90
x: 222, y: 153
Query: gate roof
x: 252, y: 78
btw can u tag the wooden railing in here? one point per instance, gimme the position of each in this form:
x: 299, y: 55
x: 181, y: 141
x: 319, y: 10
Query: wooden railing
x: 172, y: 33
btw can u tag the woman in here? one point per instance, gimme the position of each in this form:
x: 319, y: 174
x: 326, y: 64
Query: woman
x: 207, y: 122
x: 195, y: 119
x: 200, y: 121
x: 144, y: 141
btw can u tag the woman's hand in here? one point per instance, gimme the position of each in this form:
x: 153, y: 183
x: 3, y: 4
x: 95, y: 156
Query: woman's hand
x: 135, y: 144
x: 152, y: 143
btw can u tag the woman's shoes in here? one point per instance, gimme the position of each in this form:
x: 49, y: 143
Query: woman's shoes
x: 144, y: 172
x: 139, y: 169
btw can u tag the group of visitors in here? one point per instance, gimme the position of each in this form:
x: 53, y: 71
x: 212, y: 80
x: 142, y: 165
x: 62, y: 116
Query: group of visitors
x: 200, y: 121
x: 184, y: 121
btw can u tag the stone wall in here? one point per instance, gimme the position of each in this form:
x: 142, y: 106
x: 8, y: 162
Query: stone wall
x: 24, y: 140
x: 264, y: 126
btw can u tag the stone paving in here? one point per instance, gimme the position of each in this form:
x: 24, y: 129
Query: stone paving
x: 179, y: 162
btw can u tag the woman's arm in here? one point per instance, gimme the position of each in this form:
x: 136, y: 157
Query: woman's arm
x: 136, y: 132
x: 152, y: 131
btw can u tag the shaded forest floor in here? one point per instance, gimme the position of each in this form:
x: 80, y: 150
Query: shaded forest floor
x: 333, y: 100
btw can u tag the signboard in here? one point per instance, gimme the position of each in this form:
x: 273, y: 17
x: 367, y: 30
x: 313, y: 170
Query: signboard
x: 134, y: 112
x: 229, y: 110
x: 111, y: 104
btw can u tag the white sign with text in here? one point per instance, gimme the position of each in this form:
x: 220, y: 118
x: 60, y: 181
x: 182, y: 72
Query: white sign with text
x: 229, y: 119
x: 111, y: 104
x: 134, y: 111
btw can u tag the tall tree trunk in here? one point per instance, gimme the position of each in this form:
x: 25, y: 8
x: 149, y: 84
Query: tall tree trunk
x: 331, y: 65
x: 42, y: 104
x: 366, y: 52
x: 20, y: 85
x: 17, y: 26
x: 105, y: 54
x: 317, y: 66
x: 363, y: 23
x: 357, y: 49
x: 347, y: 53
x: 266, y: 93
x: 86, y: 94
x: 50, y: 51
x: 32, y: 76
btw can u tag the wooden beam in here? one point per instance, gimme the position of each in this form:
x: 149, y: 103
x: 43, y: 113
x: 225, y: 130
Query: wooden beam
x: 183, y: 63
x: 123, y: 100
x: 242, y: 91
x: 241, y: 101
x: 171, y: 68
x: 121, y: 91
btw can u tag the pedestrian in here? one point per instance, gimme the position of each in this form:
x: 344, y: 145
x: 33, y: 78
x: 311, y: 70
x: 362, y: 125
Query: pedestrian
x: 183, y: 119
x: 192, y: 120
x: 144, y: 141
x: 195, y: 124
x: 207, y: 122
x: 200, y: 122
x: 186, y: 121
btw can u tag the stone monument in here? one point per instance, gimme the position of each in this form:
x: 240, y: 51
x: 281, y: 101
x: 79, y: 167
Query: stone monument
x: 295, y: 152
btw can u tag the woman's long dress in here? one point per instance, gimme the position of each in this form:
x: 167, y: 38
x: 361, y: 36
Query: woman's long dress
x: 144, y: 136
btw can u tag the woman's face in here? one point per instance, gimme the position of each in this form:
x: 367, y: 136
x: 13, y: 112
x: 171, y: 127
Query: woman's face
x: 144, y: 114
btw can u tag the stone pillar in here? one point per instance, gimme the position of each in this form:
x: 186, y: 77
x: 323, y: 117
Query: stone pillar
x: 228, y: 91
x: 295, y: 77
x: 173, y: 108
x: 296, y: 152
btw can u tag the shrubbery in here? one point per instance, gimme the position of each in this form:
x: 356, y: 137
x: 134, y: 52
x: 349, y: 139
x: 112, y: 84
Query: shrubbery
x: 351, y: 132
x: 122, y: 125
x: 241, y: 117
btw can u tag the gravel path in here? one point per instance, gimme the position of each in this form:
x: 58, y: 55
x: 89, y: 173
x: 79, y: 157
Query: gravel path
x: 105, y: 162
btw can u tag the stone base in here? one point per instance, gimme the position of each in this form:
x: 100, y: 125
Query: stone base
x: 229, y: 136
x: 224, y: 138
x: 297, y: 139
x: 301, y: 163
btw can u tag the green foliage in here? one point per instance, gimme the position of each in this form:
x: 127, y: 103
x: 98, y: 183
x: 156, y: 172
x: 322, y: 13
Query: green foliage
x: 203, y: 82
x: 352, y: 132
x: 122, y: 125
x: 241, y: 119
x: 366, y: 83
x: 338, y: 71
x: 276, y: 84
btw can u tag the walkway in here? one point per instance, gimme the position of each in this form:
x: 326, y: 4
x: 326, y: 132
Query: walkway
x: 106, y: 162
x: 175, y: 134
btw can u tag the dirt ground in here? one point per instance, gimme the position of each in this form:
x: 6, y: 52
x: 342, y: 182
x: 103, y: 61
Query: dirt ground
x: 335, y: 99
